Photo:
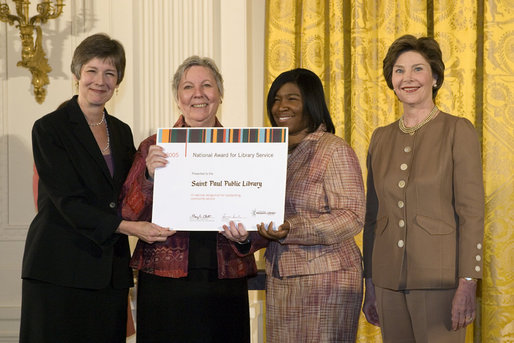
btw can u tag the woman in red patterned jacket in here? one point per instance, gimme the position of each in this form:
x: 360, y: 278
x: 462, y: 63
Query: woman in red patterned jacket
x: 193, y: 287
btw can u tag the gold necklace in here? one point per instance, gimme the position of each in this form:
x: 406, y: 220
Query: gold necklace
x: 411, y: 130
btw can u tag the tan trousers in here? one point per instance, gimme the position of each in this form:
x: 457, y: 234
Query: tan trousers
x: 417, y: 316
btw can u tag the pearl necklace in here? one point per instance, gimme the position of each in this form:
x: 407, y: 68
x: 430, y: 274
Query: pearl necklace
x: 99, y: 123
x: 104, y: 150
x: 108, y: 138
x: 412, y: 130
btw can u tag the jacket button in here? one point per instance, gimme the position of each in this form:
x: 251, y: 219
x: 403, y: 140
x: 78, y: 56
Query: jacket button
x: 479, y: 246
x: 407, y: 149
x: 401, y: 184
x: 112, y: 205
x: 401, y: 223
x: 477, y: 268
x: 403, y: 166
x: 478, y: 257
x: 400, y: 243
x: 401, y: 204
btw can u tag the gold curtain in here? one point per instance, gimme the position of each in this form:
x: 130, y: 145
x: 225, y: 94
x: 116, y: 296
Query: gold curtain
x: 345, y: 41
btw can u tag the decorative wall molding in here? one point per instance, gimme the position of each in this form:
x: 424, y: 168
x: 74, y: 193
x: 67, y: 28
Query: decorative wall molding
x: 9, y: 323
x: 157, y: 35
x: 3, y: 130
x: 13, y: 232
x: 167, y: 32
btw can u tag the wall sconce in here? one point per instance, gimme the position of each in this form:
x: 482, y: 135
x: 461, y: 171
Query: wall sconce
x: 33, y: 56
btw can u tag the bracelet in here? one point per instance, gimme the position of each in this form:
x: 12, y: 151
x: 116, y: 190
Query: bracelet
x: 470, y: 279
x: 244, y: 242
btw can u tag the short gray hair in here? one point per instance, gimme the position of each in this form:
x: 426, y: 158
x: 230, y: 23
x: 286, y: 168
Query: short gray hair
x: 197, y: 61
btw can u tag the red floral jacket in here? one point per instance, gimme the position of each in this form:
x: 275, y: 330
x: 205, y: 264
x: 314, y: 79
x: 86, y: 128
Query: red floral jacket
x: 170, y: 258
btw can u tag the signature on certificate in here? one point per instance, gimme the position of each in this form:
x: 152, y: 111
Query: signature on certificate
x: 200, y: 217
x: 228, y: 217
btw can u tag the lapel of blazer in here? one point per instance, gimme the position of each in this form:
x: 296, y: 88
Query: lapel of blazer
x: 85, y: 137
x: 116, y: 145
x: 302, y: 154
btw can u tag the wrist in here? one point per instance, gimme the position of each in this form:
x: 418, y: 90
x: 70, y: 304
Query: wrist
x: 469, y: 279
x: 148, y: 176
x: 124, y: 227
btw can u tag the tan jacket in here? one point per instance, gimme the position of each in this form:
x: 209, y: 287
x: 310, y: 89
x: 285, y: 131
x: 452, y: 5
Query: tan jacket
x: 425, y: 205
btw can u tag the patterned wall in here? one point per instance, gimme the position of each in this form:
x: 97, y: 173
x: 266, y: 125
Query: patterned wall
x: 345, y: 41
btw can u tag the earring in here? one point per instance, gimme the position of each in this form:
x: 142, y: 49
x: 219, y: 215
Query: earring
x: 76, y: 86
x: 435, y: 85
x: 117, y: 90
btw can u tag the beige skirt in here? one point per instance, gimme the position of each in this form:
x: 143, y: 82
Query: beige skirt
x: 314, y: 308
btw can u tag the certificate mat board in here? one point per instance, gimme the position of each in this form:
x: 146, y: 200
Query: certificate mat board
x: 218, y: 175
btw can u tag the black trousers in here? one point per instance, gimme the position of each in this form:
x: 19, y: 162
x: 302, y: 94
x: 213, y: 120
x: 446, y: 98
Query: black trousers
x: 198, y: 308
x: 52, y: 313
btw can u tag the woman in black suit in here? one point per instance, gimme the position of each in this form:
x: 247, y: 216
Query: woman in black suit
x: 75, y: 265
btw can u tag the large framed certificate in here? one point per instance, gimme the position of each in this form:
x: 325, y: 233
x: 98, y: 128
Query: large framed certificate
x: 218, y: 175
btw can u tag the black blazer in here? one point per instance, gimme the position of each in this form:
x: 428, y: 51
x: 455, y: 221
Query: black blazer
x: 72, y: 240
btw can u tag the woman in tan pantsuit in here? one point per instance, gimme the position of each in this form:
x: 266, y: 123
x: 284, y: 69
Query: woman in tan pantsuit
x: 425, y: 208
